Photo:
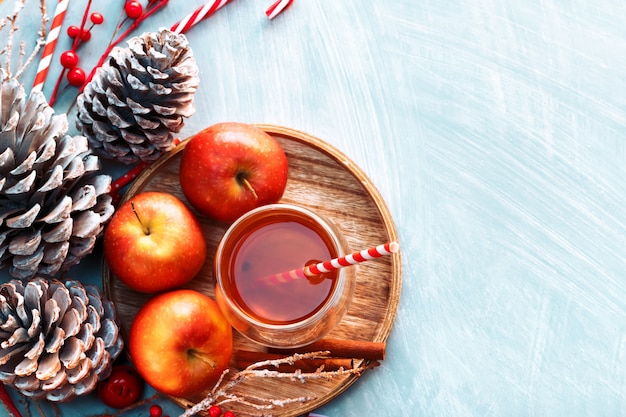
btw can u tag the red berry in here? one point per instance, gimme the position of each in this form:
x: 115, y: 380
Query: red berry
x: 96, y: 18
x: 73, y: 31
x: 122, y: 388
x: 229, y: 414
x: 76, y: 77
x: 133, y: 9
x: 85, y: 35
x: 215, y: 411
x: 69, y: 59
x: 156, y: 410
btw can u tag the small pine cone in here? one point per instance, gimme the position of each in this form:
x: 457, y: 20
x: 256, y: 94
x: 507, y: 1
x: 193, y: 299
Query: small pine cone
x: 53, y: 200
x: 138, y: 98
x: 56, y: 340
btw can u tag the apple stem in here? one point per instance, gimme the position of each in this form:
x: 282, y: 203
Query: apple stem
x: 243, y: 180
x: 198, y: 355
x: 144, y: 227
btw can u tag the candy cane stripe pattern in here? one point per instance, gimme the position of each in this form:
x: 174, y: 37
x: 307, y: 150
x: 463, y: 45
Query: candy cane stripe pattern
x: 51, y: 41
x: 277, y: 8
x: 285, y: 277
x: 313, y: 270
x: 352, y: 259
x: 200, y: 14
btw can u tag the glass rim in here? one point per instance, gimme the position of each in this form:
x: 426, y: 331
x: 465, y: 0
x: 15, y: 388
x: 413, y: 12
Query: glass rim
x: 331, y: 301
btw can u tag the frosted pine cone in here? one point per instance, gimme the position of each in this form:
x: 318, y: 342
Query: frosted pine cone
x: 53, y: 201
x: 56, y: 340
x: 138, y: 98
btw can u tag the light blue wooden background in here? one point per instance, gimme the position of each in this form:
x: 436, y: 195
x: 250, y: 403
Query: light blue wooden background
x: 496, y: 132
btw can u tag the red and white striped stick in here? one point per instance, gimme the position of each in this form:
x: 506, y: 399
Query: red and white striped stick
x: 277, y: 8
x: 354, y: 258
x: 51, y: 43
x: 200, y: 14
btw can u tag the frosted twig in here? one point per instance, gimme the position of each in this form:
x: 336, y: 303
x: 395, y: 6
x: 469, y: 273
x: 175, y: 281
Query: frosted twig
x: 21, y: 55
x: 41, y: 40
x: 259, y: 403
x: 222, y: 392
x: 11, y: 21
x: 19, y: 5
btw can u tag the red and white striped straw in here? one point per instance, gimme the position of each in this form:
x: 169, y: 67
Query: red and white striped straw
x: 277, y: 8
x: 51, y: 42
x: 200, y: 14
x: 354, y: 258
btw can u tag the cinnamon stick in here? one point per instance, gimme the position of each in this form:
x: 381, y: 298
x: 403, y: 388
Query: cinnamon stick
x: 358, y: 349
x: 245, y: 358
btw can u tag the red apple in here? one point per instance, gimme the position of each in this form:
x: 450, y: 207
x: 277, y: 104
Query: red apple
x: 180, y: 343
x: 154, y: 243
x: 230, y: 168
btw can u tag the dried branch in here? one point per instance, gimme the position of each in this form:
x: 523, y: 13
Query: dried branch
x: 223, y: 393
x: 41, y: 40
x: 260, y: 403
x: 19, y: 5
x: 13, y: 28
x: 21, y: 56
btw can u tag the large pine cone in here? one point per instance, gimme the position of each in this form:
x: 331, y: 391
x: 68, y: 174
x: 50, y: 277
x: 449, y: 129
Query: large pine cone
x: 53, y: 201
x: 138, y: 98
x: 56, y: 340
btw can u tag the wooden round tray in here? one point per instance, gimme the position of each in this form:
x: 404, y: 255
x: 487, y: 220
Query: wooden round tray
x: 326, y: 181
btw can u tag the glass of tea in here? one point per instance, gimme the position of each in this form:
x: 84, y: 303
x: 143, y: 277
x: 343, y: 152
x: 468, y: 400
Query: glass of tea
x: 257, y: 297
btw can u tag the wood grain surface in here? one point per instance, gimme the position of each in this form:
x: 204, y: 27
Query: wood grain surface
x: 326, y: 181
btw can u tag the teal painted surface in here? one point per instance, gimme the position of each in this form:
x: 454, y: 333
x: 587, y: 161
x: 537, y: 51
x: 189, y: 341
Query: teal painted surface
x: 496, y: 132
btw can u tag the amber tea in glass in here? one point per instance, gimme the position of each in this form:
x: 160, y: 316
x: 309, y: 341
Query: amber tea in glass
x: 278, y: 310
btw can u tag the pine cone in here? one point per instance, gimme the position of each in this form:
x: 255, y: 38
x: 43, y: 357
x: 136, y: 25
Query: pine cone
x: 138, y: 98
x: 53, y: 202
x: 56, y: 340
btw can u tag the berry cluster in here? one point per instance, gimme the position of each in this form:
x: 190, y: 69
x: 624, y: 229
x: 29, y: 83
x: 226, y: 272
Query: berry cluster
x: 216, y: 411
x: 124, y: 387
x: 134, y: 12
x: 69, y: 59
